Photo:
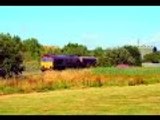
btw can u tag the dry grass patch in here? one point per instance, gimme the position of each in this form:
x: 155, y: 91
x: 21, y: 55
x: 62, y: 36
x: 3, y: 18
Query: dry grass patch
x: 79, y: 78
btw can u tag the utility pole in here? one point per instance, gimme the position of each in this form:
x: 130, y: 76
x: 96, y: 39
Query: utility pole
x: 138, y: 42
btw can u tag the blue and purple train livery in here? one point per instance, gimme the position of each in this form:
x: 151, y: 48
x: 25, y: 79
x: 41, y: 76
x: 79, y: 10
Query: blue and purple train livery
x: 49, y: 61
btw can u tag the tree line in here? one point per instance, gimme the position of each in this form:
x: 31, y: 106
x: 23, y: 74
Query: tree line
x: 14, y: 50
x: 153, y: 57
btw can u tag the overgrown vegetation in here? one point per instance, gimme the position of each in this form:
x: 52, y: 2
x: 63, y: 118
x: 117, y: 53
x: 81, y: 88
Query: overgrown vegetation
x: 11, y: 50
x: 135, y: 53
x: 152, y: 57
x: 33, y: 49
x: 95, y: 77
x: 75, y: 49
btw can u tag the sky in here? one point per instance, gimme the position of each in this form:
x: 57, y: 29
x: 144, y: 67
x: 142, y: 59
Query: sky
x: 92, y: 26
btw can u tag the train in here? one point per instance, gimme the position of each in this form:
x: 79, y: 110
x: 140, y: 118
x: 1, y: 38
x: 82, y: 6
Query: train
x: 61, y: 62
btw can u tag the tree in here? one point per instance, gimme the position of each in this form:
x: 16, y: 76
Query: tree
x: 152, y: 57
x: 135, y: 53
x: 10, y: 53
x: 32, y: 48
x: 74, y: 49
x: 51, y: 50
x: 118, y: 56
x: 98, y: 51
x: 154, y: 49
x: 57, y: 51
x: 100, y: 54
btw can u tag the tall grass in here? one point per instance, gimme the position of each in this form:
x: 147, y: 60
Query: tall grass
x: 81, y: 78
x: 32, y: 65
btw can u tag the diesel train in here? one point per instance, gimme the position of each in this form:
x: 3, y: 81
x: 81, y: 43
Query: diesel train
x: 60, y: 62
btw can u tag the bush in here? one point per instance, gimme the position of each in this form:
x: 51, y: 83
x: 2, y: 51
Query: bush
x: 152, y: 57
x: 118, y: 56
x: 75, y: 49
x: 135, y: 53
x: 11, y: 54
x: 100, y: 54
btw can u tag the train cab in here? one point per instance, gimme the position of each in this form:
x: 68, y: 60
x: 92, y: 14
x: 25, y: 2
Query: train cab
x: 47, y: 62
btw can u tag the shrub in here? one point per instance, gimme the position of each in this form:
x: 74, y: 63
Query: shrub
x: 152, y: 57
x: 135, y: 53
x: 118, y: 56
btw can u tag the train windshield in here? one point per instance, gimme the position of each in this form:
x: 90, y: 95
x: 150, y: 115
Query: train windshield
x: 46, y: 59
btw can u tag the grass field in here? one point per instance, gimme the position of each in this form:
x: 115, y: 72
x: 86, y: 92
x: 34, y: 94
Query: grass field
x: 132, y: 71
x: 37, y: 81
x: 85, y: 91
x: 130, y: 100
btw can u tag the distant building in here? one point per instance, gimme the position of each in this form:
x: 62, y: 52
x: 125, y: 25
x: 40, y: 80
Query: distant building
x: 145, y: 49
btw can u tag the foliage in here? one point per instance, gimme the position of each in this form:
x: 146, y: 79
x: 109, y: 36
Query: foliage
x: 154, y: 49
x: 152, y: 57
x: 32, y: 48
x: 74, y: 49
x: 135, y: 53
x: 100, y: 54
x: 11, y: 49
x: 51, y: 50
x: 118, y: 56
x: 123, y: 55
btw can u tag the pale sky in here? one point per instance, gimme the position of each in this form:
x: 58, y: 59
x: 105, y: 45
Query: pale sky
x: 93, y: 26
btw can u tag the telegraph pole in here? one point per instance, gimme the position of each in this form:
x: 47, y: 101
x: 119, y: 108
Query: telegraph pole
x: 138, y: 42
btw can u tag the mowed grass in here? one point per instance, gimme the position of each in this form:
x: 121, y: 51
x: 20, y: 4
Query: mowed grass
x: 113, y: 100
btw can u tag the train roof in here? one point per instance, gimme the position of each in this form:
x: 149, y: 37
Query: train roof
x: 59, y: 56
x: 68, y: 56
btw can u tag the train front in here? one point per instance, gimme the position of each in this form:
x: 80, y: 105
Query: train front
x: 47, y: 62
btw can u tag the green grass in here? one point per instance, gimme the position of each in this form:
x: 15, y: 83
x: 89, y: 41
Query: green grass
x: 127, y: 71
x: 135, y: 100
x: 144, y: 75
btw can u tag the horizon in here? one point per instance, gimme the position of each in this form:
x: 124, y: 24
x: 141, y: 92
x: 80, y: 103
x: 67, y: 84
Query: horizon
x: 92, y: 26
